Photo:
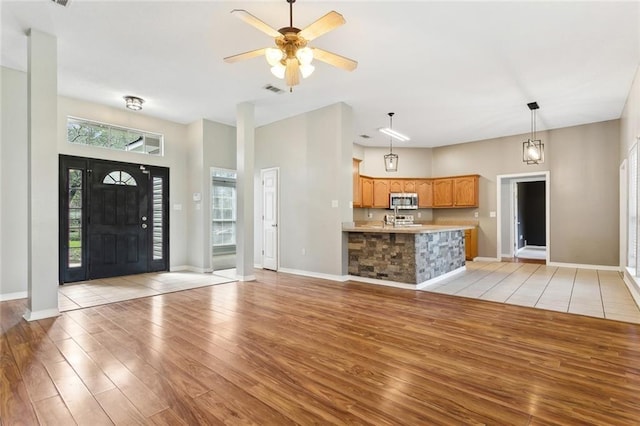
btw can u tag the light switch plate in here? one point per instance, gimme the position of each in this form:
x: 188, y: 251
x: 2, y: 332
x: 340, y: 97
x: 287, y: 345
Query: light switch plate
x: 334, y: 204
x: 492, y: 214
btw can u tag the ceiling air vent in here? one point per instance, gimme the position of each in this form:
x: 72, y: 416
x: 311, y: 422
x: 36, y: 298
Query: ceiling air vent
x: 365, y: 136
x: 61, y: 2
x: 273, y: 89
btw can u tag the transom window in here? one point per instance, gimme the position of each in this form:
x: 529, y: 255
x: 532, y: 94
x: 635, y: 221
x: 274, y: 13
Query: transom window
x: 119, y: 177
x: 93, y: 133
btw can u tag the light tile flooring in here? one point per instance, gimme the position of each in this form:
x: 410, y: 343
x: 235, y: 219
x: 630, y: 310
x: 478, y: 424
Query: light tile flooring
x: 99, y: 292
x: 593, y: 293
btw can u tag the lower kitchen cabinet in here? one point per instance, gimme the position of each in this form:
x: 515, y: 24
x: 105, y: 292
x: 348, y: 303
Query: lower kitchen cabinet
x: 471, y: 243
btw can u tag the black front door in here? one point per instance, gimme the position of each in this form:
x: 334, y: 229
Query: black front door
x: 118, y: 224
x: 114, y: 218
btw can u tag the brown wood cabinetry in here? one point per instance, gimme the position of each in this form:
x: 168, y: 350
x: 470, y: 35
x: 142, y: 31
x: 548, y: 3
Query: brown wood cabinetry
x: 357, y: 188
x: 424, y: 189
x: 458, y: 191
x: 471, y: 243
x: 366, y: 191
x: 443, y: 192
x: 465, y: 191
x: 381, y: 193
x: 402, y: 185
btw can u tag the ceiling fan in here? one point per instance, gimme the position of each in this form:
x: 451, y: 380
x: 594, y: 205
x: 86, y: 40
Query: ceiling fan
x: 292, y: 56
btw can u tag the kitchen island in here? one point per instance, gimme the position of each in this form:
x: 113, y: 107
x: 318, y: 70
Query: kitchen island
x: 410, y: 256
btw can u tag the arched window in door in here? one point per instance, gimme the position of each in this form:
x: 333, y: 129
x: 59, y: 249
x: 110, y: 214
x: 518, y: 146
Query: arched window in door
x: 119, y: 177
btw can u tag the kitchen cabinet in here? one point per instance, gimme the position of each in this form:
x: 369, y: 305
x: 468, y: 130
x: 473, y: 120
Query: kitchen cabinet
x: 402, y: 185
x: 381, y: 193
x: 457, y: 191
x: 443, y: 192
x: 424, y: 189
x: 366, y: 191
x: 471, y: 243
x: 357, y: 189
x: 465, y: 191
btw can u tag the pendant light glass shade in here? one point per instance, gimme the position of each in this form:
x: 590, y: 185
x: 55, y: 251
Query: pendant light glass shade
x: 391, y: 162
x: 532, y: 148
x: 391, y: 159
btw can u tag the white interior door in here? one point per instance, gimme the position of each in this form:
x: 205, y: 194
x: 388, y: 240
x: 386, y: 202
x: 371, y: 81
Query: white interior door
x: 270, y: 219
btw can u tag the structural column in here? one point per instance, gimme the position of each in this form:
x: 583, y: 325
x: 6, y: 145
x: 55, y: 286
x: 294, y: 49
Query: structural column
x: 42, y: 182
x: 245, y: 131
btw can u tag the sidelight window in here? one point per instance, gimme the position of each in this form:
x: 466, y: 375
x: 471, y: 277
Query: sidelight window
x: 75, y: 188
x: 157, y: 218
x: 223, y: 214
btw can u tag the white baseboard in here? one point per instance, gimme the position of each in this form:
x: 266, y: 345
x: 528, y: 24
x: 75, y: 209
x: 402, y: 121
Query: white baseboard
x: 584, y: 266
x: 257, y: 265
x: 408, y: 286
x: 486, y: 259
x: 190, y: 268
x: 38, y: 315
x: 633, y: 285
x: 246, y: 277
x: 14, y: 296
x: 340, y: 278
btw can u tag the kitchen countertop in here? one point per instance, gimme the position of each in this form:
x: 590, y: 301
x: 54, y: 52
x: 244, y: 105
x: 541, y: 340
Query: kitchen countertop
x: 415, y: 228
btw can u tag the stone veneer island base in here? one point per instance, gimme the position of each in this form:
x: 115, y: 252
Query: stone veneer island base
x: 414, y: 257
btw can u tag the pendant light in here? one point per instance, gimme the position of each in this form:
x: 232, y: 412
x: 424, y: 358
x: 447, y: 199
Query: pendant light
x: 532, y: 148
x: 391, y: 159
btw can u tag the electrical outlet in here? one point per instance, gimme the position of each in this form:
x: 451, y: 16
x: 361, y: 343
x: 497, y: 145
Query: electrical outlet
x: 475, y: 214
x: 419, y: 215
x: 370, y: 215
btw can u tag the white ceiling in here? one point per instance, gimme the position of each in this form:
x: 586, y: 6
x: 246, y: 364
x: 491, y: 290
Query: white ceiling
x: 451, y: 71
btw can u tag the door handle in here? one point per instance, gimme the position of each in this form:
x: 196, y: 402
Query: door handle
x: 144, y: 226
x: 275, y: 225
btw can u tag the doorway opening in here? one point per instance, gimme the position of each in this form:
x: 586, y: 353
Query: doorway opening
x: 523, y: 217
x: 113, y: 219
x: 223, y: 219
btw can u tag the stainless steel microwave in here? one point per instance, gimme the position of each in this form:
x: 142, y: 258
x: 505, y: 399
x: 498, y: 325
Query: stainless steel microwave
x: 404, y: 200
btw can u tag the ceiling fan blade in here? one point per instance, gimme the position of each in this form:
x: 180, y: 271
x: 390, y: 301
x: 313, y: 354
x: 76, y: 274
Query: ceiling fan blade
x: 322, y: 26
x: 255, y: 22
x: 246, y: 55
x: 334, y: 59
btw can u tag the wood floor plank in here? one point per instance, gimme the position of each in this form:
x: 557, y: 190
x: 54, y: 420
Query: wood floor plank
x: 53, y: 411
x: 119, y: 408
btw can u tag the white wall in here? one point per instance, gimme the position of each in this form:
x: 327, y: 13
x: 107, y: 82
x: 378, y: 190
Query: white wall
x: 412, y: 162
x: 314, y: 153
x: 13, y: 185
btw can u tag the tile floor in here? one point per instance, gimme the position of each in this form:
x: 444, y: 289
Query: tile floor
x: 593, y: 293
x: 99, y: 292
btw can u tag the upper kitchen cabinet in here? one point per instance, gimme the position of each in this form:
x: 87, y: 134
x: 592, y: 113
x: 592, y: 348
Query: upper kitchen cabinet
x: 456, y: 192
x: 366, y: 191
x: 402, y: 185
x: 381, y: 193
x: 465, y: 191
x: 424, y: 189
x: 357, y: 189
x: 443, y: 192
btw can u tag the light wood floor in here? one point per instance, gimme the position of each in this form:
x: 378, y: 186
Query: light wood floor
x: 294, y: 350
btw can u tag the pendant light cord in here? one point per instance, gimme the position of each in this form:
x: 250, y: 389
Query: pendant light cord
x: 391, y: 128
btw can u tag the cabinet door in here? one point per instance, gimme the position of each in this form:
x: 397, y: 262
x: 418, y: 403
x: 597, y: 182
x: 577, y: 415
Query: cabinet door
x: 357, y: 190
x: 424, y: 188
x: 396, y: 186
x: 465, y: 190
x: 409, y: 186
x: 381, y: 193
x: 443, y: 193
x: 366, y: 186
x: 471, y: 243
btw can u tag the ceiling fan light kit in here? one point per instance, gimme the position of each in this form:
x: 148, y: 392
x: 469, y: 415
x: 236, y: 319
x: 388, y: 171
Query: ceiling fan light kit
x: 292, y: 58
x: 532, y: 148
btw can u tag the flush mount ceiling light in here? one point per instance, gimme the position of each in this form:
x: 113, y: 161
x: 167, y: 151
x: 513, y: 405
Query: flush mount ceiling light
x: 133, y: 102
x: 532, y: 148
x: 391, y: 159
x: 292, y: 57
